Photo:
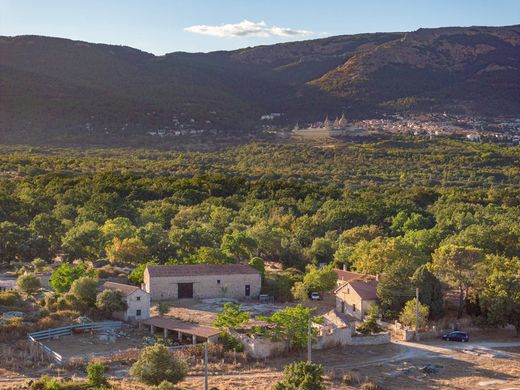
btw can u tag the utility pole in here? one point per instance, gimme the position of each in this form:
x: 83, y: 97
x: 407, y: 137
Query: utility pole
x: 206, y: 366
x: 417, y: 314
x: 309, y: 342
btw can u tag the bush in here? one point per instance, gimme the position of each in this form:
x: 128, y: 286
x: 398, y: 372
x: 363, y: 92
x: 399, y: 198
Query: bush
x: 162, y: 308
x: 28, y: 284
x: 231, y: 343
x: 351, y: 379
x: 156, y: 364
x: 46, y: 323
x: 9, y: 298
x: 110, y: 301
x: 370, y: 326
x: 84, y: 291
x: 301, y: 375
x: 164, y: 385
x: 12, y: 328
x: 96, y: 374
x: 407, y: 316
x: 370, y: 385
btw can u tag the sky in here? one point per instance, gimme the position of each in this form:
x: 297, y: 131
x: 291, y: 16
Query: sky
x: 164, y: 26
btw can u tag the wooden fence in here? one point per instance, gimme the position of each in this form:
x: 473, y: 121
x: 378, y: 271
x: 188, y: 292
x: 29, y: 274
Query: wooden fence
x: 36, y: 337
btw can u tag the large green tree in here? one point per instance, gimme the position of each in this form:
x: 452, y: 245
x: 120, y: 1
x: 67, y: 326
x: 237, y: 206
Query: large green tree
x: 458, y: 266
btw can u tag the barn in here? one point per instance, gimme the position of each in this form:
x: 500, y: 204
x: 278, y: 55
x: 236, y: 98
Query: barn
x: 239, y: 281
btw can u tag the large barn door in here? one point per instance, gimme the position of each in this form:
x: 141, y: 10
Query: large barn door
x: 185, y: 290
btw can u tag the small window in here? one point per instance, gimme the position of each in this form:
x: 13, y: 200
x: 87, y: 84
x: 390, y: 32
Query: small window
x: 354, y: 307
x: 138, y: 313
x: 137, y: 298
x: 218, y: 281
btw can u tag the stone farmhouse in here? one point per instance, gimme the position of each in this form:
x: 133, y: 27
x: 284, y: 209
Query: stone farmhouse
x: 355, y: 297
x: 202, y: 281
x: 137, y: 301
x: 345, y: 276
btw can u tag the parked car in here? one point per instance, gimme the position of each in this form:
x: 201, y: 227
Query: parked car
x: 456, y: 336
x: 315, y: 296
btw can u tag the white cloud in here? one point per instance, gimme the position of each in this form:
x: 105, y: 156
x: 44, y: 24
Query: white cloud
x: 246, y: 28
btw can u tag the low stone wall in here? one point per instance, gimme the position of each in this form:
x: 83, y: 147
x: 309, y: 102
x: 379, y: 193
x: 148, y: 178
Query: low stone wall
x: 260, y: 347
x: 333, y: 338
x: 376, y: 339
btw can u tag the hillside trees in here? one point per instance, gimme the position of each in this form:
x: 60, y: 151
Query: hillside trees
x: 457, y: 265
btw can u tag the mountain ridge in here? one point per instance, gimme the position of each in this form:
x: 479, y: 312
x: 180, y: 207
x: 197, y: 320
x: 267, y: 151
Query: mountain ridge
x: 56, y: 87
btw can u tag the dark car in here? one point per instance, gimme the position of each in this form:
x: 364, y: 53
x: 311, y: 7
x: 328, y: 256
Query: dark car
x: 456, y: 336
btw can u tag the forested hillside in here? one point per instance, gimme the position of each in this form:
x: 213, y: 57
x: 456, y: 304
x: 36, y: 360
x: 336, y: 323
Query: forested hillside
x: 62, y: 91
x: 378, y: 207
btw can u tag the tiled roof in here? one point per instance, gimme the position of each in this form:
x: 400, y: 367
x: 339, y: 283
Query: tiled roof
x: 347, y: 276
x: 365, y: 289
x: 158, y: 271
x: 185, y: 327
x: 125, y: 289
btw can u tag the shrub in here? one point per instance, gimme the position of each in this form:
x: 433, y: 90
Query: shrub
x: 301, y: 375
x: 45, y: 383
x: 162, y: 308
x: 351, y: 378
x: 83, y: 292
x: 46, y: 323
x: 164, y: 385
x: 110, y: 301
x: 407, y: 316
x: 370, y: 385
x: 370, y: 326
x: 157, y: 364
x: 96, y: 374
x: 9, y: 298
x: 231, y: 343
x: 28, y: 284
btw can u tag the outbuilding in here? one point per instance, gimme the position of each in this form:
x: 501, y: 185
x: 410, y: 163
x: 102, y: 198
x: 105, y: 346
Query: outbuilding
x: 137, y: 301
x: 201, y: 281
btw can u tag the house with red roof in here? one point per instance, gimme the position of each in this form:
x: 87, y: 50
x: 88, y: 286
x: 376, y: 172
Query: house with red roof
x: 356, y: 296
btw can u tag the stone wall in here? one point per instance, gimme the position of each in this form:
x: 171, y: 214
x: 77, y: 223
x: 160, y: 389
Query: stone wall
x: 260, y: 347
x: 376, y: 339
x: 204, y: 286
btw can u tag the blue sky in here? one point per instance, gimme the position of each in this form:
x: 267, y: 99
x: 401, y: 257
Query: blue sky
x: 163, y: 26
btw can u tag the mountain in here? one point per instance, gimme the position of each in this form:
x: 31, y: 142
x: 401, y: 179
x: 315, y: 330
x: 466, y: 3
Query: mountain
x: 59, y: 89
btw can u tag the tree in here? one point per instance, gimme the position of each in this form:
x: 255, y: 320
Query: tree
x: 48, y: 227
x: 407, y: 316
x: 157, y: 364
x: 372, y: 257
x: 84, y: 291
x: 28, y: 284
x: 291, y: 324
x: 316, y: 279
x: 14, y: 241
x: 430, y: 289
x: 500, y: 298
x: 395, y: 287
x: 83, y: 241
x: 110, y: 301
x: 457, y: 266
x: 136, y: 277
x: 128, y: 249
x: 63, y: 277
x: 119, y: 228
x: 370, y: 325
x: 162, y: 308
x: 96, y: 375
x: 258, y: 264
x: 301, y: 376
x: 321, y: 250
x: 239, y: 245
x: 231, y: 317
x: 209, y: 255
